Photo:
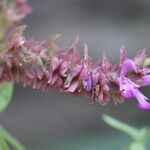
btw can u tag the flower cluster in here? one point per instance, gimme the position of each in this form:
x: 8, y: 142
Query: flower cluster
x: 44, y: 65
x: 12, y: 12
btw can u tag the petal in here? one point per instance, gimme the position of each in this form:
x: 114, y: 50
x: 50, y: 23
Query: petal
x: 126, y: 87
x: 73, y: 87
x: 103, y: 98
x: 50, y: 77
x: 56, y: 63
x: 76, y: 70
x: 128, y: 65
x: 50, y: 45
x: 30, y: 73
x: 72, y: 53
x: 96, y: 77
x: 63, y: 68
x: 15, y: 37
x: 39, y: 72
x: 105, y: 64
x: 140, y: 57
x: 68, y: 81
x: 145, y: 80
x: 142, y: 100
x: 59, y: 82
x: 54, y: 79
x: 87, y: 83
x: 123, y: 55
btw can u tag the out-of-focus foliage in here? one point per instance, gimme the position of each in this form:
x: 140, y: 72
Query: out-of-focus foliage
x: 147, y: 62
x: 139, y: 136
x: 3, y: 144
x: 7, y: 139
x: 6, y: 90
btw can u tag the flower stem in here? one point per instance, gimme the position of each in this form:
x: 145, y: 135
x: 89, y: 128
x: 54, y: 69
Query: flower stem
x: 132, y: 131
x: 11, y: 139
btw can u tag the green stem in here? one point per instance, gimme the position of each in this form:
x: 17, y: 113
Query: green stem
x: 11, y: 139
x: 3, y: 144
x: 132, y: 131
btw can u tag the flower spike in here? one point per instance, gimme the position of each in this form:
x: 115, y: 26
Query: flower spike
x: 43, y: 65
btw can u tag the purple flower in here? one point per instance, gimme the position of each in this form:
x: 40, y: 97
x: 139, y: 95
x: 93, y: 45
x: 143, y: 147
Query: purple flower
x: 17, y: 11
x: 87, y: 83
x: 128, y: 88
x: 127, y: 66
x: 11, y: 14
x: 43, y: 65
x: 143, y: 103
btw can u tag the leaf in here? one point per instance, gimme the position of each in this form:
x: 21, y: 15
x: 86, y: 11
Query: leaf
x: 11, y: 140
x: 6, y: 3
x: 3, y: 144
x: 133, y: 132
x: 6, y: 90
x: 137, y: 146
x: 147, y: 62
x: 139, y: 136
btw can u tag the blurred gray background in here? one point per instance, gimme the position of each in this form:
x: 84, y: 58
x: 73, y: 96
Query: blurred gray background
x: 54, y: 118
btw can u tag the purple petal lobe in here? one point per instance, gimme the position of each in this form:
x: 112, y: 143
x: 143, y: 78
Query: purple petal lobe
x: 87, y: 83
x: 127, y: 87
x: 76, y: 70
x: 56, y: 63
x: 142, y: 100
x: 145, y: 80
x: 73, y: 87
x: 128, y: 65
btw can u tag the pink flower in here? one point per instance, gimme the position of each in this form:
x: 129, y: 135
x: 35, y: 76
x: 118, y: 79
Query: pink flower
x: 128, y: 65
x: 43, y: 65
x: 87, y: 83
x: 18, y: 10
x: 11, y: 14
x: 143, y: 103
x: 128, y: 88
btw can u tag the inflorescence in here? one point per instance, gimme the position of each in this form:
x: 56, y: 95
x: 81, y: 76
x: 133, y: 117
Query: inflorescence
x: 44, y: 65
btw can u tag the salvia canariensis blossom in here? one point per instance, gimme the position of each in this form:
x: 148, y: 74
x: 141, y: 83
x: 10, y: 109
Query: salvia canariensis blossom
x: 43, y: 65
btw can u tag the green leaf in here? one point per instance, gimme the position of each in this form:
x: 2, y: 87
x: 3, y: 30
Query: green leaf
x: 6, y: 3
x: 6, y: 90
x: 139, y: 136
x: 11, y: 140
x: 147, y: 62
x: 3, y: 144
x: 137, y: 146
x: 132, y: 131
